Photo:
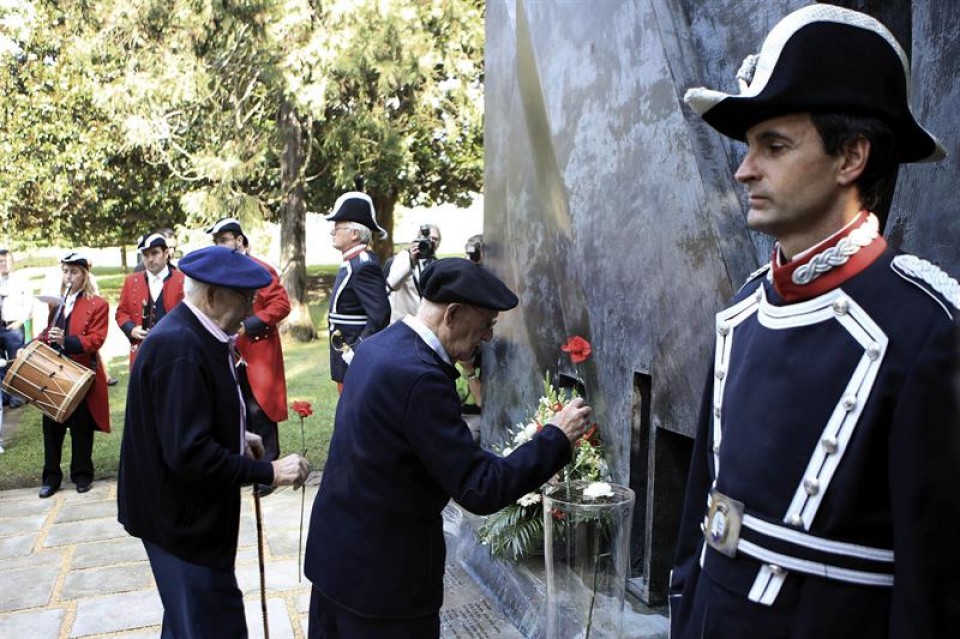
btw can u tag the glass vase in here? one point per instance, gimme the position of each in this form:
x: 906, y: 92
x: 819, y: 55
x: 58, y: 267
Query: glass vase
x: 587, y: 551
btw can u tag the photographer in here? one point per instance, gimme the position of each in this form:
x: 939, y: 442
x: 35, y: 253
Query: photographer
x: 403, y: 272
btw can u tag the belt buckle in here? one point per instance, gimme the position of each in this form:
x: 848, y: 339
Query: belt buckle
x: 721, y: 527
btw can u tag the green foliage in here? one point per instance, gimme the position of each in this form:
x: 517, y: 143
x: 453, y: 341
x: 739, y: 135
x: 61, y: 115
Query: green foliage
x: 68, y: 178
x: 125, y: 115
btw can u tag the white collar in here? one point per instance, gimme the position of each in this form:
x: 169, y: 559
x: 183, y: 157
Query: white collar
x: 427, y: 336
x: 162, y: 275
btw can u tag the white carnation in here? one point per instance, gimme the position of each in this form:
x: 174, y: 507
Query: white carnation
x: 530, y: 430
x: 529, y: 499
x: 598, y: 489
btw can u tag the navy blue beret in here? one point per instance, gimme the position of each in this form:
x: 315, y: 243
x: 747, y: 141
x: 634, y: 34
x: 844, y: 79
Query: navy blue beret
x: 455, y: 279
x: 221, y: 266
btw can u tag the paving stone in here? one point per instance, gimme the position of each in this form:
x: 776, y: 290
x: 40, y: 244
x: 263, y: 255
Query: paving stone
x: 78, y: 532
x: 27, y: 588
x: 17, y: 545
x: 19, y: 493
x: 26, y: 507
x: 16, y: 525
x: 281, y: 576
x: 285, y: 542
x: 277, y: 618
x: 36, y: 623
x: 87, y: 510
x: 116, y: 613
x: 108, y: 553
x: 45, y: 559
x: 100, y: 491
x: 102, y: 581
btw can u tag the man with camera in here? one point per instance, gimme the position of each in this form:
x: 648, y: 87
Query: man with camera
x: 403, y: 272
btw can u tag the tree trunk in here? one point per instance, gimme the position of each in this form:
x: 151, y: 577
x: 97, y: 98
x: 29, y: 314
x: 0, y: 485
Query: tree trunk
x: 384, y: 206
x: 293, y: 222
x: 123, y: 259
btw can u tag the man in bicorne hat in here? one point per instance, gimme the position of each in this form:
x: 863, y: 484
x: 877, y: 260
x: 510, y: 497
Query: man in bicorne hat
x: 186, y: 448
x: 359, y: 306
x: 400, y: 451
x: 820, y: 500
x: 149, y: 295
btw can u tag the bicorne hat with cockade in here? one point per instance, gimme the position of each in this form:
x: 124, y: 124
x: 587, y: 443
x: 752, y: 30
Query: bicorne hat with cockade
x: 356, y: 207
x: 152, y: 240
x: 823, y: 59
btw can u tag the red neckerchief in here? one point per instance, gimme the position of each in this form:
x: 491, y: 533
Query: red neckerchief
x: 791, y: 291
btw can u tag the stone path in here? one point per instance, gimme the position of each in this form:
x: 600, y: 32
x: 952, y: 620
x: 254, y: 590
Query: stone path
x: 68, y: 569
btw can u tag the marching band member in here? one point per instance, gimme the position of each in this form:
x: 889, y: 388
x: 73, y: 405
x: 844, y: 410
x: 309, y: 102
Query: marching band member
x: 265, y: 385
x: 78, y: 328
x: 359, y: 306
x: 149, y: 295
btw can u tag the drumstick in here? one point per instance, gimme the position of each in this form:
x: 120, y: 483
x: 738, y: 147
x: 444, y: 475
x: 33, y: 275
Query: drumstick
x: 63, y: 302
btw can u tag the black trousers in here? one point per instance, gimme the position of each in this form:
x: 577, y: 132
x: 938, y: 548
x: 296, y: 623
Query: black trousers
x: 81, y: 427
x: 330, y: 621
x: 199, y: 602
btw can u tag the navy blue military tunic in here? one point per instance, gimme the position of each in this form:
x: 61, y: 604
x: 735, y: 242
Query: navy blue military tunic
x: 830, y: 420
x: 359, y: 306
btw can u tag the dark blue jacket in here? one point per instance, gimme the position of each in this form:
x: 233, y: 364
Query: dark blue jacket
x: 181, y: 463
x: 833, y: 420
x: 359, y: 306
x: 400, y: 451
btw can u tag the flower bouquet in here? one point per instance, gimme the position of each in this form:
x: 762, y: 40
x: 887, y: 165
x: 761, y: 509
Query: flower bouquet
x: 518, y: 529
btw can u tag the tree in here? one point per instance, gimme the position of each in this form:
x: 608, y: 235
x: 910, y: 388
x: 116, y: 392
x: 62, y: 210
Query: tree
x: 257, y: 108
x: 403, y: 107
x: 70, y: 180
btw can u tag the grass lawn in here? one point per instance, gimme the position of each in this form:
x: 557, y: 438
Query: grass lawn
x: 308, y: 378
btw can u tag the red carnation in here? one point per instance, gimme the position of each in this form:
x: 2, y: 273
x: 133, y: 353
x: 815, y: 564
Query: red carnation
x: 578, y: 348
x: 303, y: 409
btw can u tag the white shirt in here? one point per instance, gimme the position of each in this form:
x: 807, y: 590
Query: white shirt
x: 15, y: 302
x: 155, y: 282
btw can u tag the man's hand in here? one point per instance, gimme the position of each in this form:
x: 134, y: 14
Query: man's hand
x: 574, y: 419
x: 138, y: 332
x: 292, y: 470
x: 254, y: 445
x: 414, y: 251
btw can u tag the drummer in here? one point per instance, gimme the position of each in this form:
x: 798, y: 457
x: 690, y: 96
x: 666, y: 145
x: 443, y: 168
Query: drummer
x: 77, y: 327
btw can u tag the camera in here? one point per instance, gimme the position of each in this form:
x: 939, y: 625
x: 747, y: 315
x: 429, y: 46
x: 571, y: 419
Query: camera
x: 425, y: 245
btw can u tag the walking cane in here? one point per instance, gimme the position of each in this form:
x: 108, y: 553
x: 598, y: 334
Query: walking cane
x: 263, y: 577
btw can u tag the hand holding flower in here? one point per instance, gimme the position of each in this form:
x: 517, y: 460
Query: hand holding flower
x: 573, y: 419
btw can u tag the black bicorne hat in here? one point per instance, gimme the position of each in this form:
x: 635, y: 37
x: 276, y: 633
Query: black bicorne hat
x: 355, y: 206
x: 823, y: 59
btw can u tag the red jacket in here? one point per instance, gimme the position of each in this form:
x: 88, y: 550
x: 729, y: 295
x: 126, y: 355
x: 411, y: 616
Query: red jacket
x: 260, y: 347
x: 135, y: 292
x: 85, y: 333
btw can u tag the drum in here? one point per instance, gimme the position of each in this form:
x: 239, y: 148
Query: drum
x: 52, y: 382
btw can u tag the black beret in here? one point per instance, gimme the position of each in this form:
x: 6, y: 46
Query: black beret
x: 455, y: 279
x: 220, y: 266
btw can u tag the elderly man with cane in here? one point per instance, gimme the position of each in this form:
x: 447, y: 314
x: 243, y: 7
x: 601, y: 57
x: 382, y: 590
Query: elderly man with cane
x: 186, y: 450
